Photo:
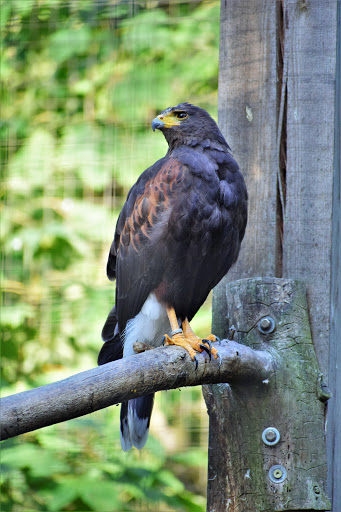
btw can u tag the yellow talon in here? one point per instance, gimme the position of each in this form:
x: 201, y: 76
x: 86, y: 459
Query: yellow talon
x: 186, y: 338
x: 181, y: 341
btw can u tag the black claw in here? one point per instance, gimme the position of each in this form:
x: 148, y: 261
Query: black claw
x: 218, y: 339
x: 207, y: 343
x: 163, y: 340
x: 208, y: 350
x: 196, y: 362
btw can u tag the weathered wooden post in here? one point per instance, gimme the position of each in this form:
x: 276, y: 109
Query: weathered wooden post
x: 267, y: 449
x: 279, y: 71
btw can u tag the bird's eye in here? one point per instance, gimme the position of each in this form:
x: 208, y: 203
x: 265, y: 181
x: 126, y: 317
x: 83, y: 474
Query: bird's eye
x: 181, y: 115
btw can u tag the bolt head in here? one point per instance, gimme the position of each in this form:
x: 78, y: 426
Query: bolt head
x: 270, y: 435
x: 265, y: 323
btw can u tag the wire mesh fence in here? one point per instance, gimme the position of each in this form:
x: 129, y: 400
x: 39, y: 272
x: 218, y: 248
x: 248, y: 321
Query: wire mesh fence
x: 80, y: 84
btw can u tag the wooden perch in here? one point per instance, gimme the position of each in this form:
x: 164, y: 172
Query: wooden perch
x: 154, y: 370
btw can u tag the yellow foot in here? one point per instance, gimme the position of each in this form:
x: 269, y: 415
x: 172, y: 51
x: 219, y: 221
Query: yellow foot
x: 205, y: 343
x: 186, y: 338
x: 180, y: 340
x: 192, y: 344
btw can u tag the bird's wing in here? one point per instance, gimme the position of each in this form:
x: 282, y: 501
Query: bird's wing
x: 136, y: 190
x: 138, y: 256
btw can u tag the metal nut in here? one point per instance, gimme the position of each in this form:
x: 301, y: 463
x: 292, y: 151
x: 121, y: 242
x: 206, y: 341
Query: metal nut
x: 266, y: 325
x: 271, y: 436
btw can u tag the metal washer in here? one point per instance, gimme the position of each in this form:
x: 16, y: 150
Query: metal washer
x: 277, y: 469
x: 277, y: 438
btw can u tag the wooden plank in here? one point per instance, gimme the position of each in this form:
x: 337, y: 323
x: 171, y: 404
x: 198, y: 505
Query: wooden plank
x: 334, y: 405
x: 310, y: 46
x: 247, y: 106
x: 247, y: 116
x: 310, y: 49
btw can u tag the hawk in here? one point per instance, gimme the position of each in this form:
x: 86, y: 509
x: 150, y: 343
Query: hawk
x: 177, y: 235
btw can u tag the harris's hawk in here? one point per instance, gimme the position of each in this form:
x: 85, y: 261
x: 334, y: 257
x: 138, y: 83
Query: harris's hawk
x: 177, y: 235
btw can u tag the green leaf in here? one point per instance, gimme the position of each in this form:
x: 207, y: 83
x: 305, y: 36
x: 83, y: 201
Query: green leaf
x: 15, y: 315
x: 39, y: 462
x: 101, y: 496
x: 59, y: 496
x: 168, y: 479
x: 87, y: 151
x: 191, y: 458
x: 5, y: 10
x: 32, y: 166
x: 66, y: 43
x: 23, y: 8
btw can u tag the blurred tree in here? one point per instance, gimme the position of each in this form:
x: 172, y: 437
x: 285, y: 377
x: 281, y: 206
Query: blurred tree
x: 80, y: 82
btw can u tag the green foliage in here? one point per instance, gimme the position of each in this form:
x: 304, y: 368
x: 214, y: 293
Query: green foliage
x: 80, y: 84
x: 59, y: 469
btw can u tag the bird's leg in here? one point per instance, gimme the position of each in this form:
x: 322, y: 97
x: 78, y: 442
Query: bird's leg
x: 205, y: 343
x: 186, y: 338
x: 177, y: 335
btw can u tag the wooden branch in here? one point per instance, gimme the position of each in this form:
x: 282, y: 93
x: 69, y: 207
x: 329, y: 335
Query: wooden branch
x: 154, y: 370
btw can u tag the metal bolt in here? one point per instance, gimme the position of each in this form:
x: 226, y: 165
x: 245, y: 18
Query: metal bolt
x: 266, y: 325
x: 271, y: 436
x: 277, y: 474
x: 317, y: 490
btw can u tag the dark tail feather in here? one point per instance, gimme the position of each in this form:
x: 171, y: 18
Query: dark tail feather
x: 113, y: 347
x: 136, y: 413
x: 135, y: 419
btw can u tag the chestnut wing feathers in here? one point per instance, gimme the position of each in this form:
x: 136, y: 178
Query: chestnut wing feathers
x: 137, y: 256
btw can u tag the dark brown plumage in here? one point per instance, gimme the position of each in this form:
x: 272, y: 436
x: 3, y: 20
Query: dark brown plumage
x: 178, y: 234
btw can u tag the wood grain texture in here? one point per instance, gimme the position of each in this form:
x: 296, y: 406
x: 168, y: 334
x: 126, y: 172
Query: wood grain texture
x: 312, y: 214
x: 310, y: 50
x: 291, y: 400
x: 304, y: 38
x: 247, y: 115
x: 334, y: 377
x: 112, y: 383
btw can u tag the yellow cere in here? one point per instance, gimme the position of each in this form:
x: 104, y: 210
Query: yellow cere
x: 171, y: 119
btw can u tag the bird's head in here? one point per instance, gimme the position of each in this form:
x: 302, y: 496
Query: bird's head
x: 186, y: 124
